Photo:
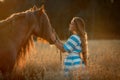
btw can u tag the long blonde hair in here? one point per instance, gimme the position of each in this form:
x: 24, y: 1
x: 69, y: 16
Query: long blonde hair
x: 80, y: 26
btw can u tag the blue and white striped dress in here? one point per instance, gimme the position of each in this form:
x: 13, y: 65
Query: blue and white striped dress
x: 72, y: 60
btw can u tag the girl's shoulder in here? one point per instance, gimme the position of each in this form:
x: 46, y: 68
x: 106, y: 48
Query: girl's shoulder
x: 75, y: 37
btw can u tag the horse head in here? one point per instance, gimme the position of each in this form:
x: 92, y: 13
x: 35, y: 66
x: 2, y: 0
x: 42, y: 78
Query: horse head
x: 43, y: 29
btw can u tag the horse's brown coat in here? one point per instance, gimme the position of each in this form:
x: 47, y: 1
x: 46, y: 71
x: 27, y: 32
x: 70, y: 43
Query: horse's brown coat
x: 16, y: 39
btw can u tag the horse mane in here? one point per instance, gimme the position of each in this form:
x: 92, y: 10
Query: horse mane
x: 26, y: 47
x: 12, y: 18
x: 27, y: 43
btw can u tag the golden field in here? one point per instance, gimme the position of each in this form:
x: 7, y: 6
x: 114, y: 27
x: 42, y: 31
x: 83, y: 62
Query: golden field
x: 103, y: 63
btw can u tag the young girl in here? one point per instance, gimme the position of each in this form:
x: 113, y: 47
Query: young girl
x: 76, y: 46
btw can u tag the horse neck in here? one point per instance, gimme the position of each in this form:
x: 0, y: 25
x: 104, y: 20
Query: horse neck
x: 26, y: 35
x: 19, y: 31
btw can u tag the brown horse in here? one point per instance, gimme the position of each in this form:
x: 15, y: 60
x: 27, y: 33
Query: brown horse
x: 16, y: 39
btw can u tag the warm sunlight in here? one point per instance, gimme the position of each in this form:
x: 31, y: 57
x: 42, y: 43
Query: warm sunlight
x: 59, y: 39
x: 1, y: 0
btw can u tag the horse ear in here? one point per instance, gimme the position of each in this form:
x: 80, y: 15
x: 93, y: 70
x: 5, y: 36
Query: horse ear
x: 34, y: 8
x: 42, y: 8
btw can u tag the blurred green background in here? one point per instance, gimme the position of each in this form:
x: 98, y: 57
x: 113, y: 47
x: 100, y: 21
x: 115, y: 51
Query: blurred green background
x: 102, y: 17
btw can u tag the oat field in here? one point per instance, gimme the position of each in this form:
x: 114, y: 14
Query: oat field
x: 103, y: 63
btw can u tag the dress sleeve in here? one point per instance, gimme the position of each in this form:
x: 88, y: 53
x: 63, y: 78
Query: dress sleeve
x: 71, y: 43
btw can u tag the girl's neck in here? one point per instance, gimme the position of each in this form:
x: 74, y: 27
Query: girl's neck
x: 74, y: 32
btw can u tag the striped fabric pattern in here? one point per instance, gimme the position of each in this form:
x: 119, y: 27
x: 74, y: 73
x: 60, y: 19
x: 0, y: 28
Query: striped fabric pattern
x: 73, y: 44
x: 73, y: 60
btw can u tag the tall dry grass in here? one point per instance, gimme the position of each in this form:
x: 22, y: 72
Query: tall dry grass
x: 104, y: 60
x: 103, y: 63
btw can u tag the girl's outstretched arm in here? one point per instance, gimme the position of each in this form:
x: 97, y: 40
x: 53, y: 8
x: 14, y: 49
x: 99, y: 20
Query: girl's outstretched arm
x: 59, y: 45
